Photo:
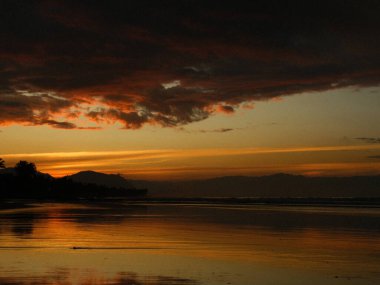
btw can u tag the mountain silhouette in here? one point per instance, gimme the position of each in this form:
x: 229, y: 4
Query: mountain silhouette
x: 91, y: 184
x: 101, y: 179
x: 278, y: 185
x: 25, y: 182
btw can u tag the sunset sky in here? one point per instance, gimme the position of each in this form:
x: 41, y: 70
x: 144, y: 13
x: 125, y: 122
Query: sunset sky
x: 191, y: 89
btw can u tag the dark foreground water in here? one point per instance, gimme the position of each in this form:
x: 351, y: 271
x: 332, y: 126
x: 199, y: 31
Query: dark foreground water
x: 188, y: 244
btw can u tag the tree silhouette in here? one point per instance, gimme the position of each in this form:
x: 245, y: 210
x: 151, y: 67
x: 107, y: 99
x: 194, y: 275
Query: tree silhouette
x: 2, y: 163
x: 26, y: 169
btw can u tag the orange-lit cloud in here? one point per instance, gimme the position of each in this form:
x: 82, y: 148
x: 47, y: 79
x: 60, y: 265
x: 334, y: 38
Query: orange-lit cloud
x: 140, y: 63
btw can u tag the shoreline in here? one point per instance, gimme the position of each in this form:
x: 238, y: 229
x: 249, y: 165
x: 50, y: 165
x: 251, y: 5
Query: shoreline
x: 357, y: 202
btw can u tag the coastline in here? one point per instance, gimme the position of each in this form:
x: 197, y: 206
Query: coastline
x: 354, y: 202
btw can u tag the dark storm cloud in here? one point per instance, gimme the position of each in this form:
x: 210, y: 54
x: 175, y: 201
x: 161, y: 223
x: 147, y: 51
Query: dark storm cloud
x: 374, y: 156
x: 59, y: 125
x: 65, y: 125
x: 175, y: 62
x: 34, y: 109
x: 369, y: 140
x: 220, y: 130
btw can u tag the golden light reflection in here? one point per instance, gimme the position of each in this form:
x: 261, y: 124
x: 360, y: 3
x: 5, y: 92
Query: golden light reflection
x: 160, y: 233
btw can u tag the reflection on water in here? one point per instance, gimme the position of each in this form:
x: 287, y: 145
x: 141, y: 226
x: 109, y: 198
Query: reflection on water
x: 63, y: 276
x: 109, y: 243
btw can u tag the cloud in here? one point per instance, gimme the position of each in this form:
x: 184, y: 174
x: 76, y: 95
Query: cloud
x: 219, y: 130
x: 374, y: 156
x: 226, y: 109
x: 67, y: 125
x: 33, y: 109
x: 369, y: 140
x: 60, y: 125
x: 171, y: 64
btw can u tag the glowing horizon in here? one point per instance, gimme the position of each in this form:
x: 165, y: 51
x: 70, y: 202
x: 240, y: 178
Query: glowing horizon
x: 153, y: 163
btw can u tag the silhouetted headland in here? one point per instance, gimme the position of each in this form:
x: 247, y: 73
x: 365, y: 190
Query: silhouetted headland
x: 25, y: 182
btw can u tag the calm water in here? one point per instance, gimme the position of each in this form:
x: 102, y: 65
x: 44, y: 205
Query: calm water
x: 188, y: 244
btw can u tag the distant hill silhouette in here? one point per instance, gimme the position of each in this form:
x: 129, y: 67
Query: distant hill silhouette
x: 24, y: 181
x: 278, y: 185
x: 16, y: 183
x: 102, y: 179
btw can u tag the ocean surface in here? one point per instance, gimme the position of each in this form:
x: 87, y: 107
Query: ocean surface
x: 159, y: 244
